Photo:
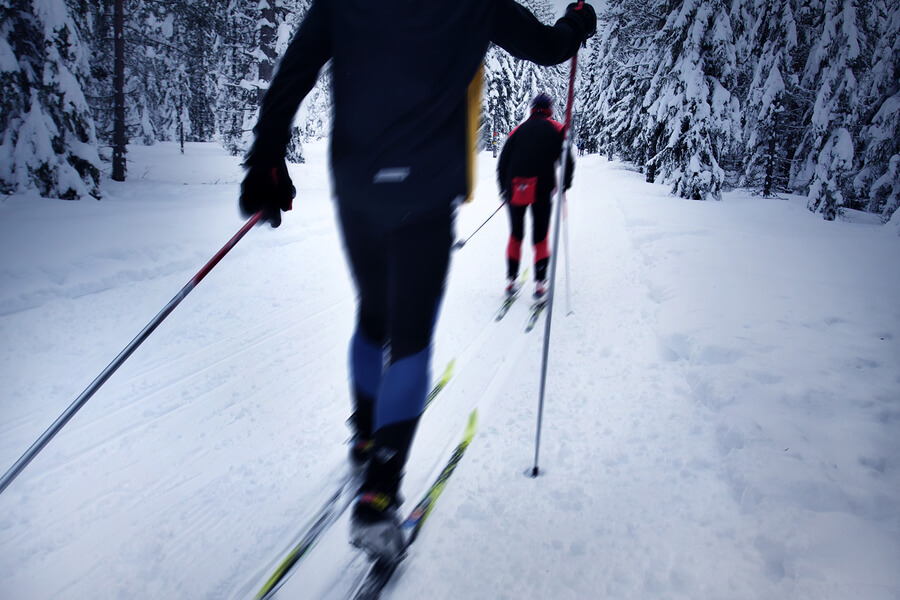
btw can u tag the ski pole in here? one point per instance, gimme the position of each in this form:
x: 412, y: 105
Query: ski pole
x: 64, y: 418
x: 462, y: 243
x: 565, y: 210
x: 550, y: 293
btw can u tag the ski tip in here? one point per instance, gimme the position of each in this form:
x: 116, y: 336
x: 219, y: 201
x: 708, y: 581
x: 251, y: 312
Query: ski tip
x: 448, y: 371
x: 472, y: 424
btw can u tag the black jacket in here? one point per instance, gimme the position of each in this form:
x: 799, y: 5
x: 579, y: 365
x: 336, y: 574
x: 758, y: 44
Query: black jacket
x: 531, y: 150
x: 400, y: 73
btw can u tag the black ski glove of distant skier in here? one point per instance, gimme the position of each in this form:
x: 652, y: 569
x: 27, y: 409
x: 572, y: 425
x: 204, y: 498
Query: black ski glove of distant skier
x: 585, y: 18
x: 267, y: 188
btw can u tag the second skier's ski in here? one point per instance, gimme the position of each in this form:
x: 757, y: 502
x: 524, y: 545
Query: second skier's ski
x: 507, y: 304
x: 534, y: 314
x: 511, y: 295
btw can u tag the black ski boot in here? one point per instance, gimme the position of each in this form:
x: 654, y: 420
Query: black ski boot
x: 361, y: 442
x: 375, y: 521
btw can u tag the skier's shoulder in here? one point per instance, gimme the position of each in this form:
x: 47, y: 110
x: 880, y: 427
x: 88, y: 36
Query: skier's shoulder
x: 541, y: 125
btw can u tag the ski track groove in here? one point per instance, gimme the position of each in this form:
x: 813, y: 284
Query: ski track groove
x: 256, y: 341
x: 155, y: 269
x: 212, y: 355
x: 196, y: 379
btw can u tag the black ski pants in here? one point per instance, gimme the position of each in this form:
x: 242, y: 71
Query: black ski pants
x: 400, y: 270
x: 540, y: 226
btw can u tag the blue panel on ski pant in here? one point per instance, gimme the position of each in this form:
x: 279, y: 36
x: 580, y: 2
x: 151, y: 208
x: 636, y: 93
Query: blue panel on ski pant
x: 404, y: 387
x: 366, y: 364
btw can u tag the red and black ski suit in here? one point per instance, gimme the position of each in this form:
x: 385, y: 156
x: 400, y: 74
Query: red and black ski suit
x: 531, y: 151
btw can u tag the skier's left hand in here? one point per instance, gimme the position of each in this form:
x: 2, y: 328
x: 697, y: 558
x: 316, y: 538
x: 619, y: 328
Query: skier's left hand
x: 584, y: 17
x: 268, y: 188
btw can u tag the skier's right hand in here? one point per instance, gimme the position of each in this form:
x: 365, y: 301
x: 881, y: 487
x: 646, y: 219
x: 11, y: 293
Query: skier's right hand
x: 267, y: 187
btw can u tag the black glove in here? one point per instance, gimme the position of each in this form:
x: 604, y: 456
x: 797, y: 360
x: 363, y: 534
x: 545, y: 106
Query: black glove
x: 267, y: 188
x: 584, y: 19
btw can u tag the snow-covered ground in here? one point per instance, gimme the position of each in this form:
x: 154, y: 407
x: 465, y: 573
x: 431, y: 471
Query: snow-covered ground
x: 721, y: 417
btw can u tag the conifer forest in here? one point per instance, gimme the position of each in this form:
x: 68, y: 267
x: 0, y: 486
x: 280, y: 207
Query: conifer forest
x: 777, y: 96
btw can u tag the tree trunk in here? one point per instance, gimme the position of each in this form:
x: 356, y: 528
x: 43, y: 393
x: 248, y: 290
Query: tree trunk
x: 118, y: 157
x: 494, y: 143
x: 650, y: 163
x: 771, y: 157
x: 181, y: 122
x: 267, y: 35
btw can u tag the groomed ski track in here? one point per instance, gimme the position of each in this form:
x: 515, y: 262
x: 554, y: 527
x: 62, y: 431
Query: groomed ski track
x: 686, y: 450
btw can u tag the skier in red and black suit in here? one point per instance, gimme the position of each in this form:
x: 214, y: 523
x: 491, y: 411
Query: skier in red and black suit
x: 526, y: 174
x: 404, y: 130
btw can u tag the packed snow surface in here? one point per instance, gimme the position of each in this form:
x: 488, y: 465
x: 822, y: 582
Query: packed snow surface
x: 720, y: 420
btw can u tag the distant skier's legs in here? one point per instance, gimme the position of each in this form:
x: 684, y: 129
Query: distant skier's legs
x: 540, y: 213
x: 514, y: 245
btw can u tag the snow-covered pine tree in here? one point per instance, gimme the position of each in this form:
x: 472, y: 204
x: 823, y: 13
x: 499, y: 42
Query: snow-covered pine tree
x: 24, y: 46
x: 199, y: 24
x: 528, y: 84
x: 499, y: 96
x: 586, y: 110
x: 693, y: 120
x: 120, y: 137
x: 313, y: 119
x: 826, y: 154
x: 287, y: 23
x: 616, y: 79
x: 98, y: 88
x: 769, y: 136
x: 156, y: 84
x: 667, y: 72
x: 877, y: 182
x: 48, y: 138
x: 256, y: 35
x: 238, y: 97
x: 167, y: 64
x: 156, y: 70
x: 817, y: 82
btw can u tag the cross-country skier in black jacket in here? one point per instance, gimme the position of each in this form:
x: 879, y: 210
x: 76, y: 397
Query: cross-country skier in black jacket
x: 403, y: 134
x: 526, y: 174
